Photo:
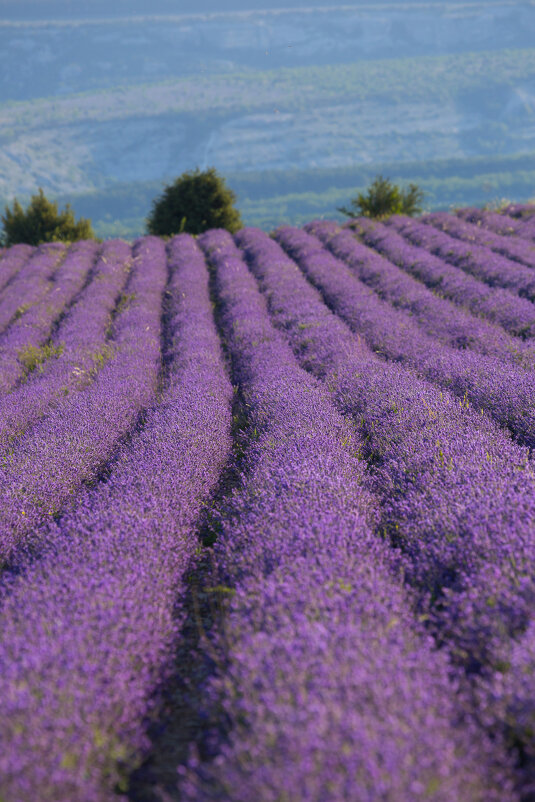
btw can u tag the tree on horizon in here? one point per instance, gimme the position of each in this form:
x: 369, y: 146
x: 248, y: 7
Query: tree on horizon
x: 40, y: 222
x: 383, y: 199
x: 195, y: 202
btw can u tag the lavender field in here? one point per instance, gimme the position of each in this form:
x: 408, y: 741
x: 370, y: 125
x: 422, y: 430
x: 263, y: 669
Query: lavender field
x: 267, y: 514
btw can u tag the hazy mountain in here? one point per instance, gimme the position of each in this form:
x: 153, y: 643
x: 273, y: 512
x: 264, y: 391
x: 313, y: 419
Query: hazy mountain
x: 83, y: 9
x: 96, y: 95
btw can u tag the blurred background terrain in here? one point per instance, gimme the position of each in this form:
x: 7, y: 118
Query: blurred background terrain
x: 102, y: 103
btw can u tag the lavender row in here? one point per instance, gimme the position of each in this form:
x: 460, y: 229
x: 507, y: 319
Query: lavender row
x: 90, y: 630
x: 503, y: 391
x: 528, y: 226
x: 516, y: 315
x: 32, y: 282
x: 324, y: 664
x: 11, y: 261
x: 456, y: 494
x: 519, y: 210
x: 19, y: 345
x: 480, y: 261
x: 311, y: 323
x: 78, y: 348
x: 491, y: 221
x: 47, y: 465
x: 515, y: 248
x: 436, y: 316
x: 521, y: 218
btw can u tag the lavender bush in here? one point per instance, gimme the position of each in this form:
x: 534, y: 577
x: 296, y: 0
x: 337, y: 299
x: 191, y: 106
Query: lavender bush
x: 517, y: 249
x: 11, y: 261
x: 501, y: 389
x: 80, y: 345
x: 432, y: 456
x: 46, y: 466
x: 514, y: 220
x: 88, y: 630
x: 31, y: 283
x: 353, y: 417
x: 516, y: 315
x: 478, y: 260
x: 20, y: 345
x: 319, y: 639
x: 436, y: 316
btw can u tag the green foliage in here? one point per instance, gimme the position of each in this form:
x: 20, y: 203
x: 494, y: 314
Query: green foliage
x: 496, y: 205
x: 124, y: 302
x: 42, y: 222
x: 32, y: 356
x: 383, y: 199
x: 21, y: 310
x: 195, y: 202
x: 101, y: 356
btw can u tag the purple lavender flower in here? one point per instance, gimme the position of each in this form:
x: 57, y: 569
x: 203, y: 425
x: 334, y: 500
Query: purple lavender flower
x: 375, y: 563
x: 11, y: 261
x: 326, y: 665
x: 491, y: 221
x: 80, y: 346
x: 31, y: 283
x: 20, y: 344
x: 514, y: 248
x: 516, y: 315
x: 47, y: 465
x: 455, y: 493
x: 478, y: 260
x: 436, y: 316
x: 502, y: 390
x: 89, y: 629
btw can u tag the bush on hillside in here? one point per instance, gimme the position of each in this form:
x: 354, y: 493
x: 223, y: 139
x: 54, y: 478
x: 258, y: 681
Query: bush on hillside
x: 383, y: 199
x: 195, y: 202
x: 42, y: 222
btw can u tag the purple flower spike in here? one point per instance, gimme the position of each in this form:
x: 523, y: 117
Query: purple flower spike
x: 89, y: 630
x: 326, y: 665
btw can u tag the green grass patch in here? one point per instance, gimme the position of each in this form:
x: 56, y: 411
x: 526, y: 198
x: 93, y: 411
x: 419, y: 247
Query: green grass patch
x: 33, y: 357
x: 101, y: 356
x: 21, y: 310
x: 124, y: 302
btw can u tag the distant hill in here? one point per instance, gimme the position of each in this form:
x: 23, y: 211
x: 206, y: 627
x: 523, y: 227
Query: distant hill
x: 104, y: 102
x: 74, y: 9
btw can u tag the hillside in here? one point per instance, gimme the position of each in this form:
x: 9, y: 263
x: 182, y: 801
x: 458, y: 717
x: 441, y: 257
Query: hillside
x: 247, y: 486
x: 70, y: 9
x: 91, y: 107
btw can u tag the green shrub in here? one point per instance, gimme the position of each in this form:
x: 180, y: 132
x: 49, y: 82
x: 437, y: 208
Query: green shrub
x: 42, y: 222
x: 195, y: 202
x: 383, y: 199
x: 33, y: 356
